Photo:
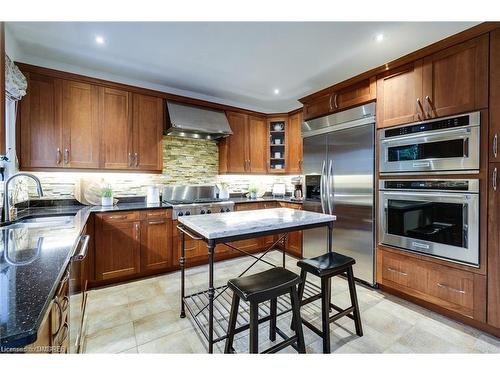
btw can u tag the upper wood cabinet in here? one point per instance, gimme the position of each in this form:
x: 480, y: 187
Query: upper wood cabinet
x: 494, y: 105
x: 40, y: 123
x: 79, y: 125
x: 294, y: 147
x: 257, y: 143
x: 147, y: 132
x: 116, y: 125
x: 340, y: 99
x: 399, y: 94
x: 455, y: 80
x: 449, y: 82
x: 233, y: 150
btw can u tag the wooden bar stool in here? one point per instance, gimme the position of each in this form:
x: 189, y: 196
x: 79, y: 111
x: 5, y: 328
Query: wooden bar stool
x: 260, y: 287
x: 325, y: 267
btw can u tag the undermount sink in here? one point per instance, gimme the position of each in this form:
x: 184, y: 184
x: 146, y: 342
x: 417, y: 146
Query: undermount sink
x: 42, y: 221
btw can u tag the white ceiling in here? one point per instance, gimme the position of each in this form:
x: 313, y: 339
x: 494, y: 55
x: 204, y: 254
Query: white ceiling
x: 233, y: 63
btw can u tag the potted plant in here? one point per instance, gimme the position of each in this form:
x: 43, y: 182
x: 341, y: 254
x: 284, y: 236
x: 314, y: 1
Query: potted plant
x: 252, y: 191
x: 106, y: 195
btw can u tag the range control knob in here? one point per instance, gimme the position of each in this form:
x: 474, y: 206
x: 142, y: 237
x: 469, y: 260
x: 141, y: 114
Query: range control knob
x: 180, y: 214
x: 228, y: 210
x: 209, y: 211
x: 188, y: 213
x: 221, y: 210
x: 202, y: 212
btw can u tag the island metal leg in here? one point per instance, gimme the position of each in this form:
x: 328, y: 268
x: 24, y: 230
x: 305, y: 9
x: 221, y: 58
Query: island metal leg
x: 330, y: 234
x: 211, y: 293
x: 182, y: 262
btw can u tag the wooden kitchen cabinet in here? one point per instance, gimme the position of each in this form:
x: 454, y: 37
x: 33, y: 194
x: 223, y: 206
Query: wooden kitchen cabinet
x: 336, y: 100
x: 156, y: 240
x: 117, y: 240
x: 455, y: 80
x: 293, y: 244
x: 233, y: 150
x: 453, y: 289
x: 494, y: 245
x: 257, y: 136
x: 147, y: 132
x: 196, y: 251
x: 494, y: 105
x: 294, y: 157
x: 80, y: 125
x: 116, y: 125
x: 399, y: 96
x: 40, y: 123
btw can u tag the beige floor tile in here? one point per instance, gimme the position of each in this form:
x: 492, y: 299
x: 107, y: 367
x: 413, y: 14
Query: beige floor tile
x: 142, y: 291
x: 130, y: 351
x: 103, y: 301
x: 155, y: 326
x: 150, y: 306
x: 487, y: 344
x: 174, y: 343
x: 107, y: 318
x: 112, y: 340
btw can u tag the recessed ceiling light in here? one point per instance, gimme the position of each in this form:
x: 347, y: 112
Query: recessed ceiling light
x: 379, y: 37
x: 99, y: 39
x: 276, y: 91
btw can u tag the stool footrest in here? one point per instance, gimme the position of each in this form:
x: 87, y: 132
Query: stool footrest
x: 341, y: 314
x: 282, y: 345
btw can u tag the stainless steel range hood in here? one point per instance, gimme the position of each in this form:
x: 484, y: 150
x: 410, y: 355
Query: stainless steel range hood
x: 196, y: 122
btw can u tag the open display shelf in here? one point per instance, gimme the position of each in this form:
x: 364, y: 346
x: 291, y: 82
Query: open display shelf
x: 277, y: 145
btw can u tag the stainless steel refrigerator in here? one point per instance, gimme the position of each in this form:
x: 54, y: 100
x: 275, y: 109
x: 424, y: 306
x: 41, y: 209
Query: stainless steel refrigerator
x: 339, y: 162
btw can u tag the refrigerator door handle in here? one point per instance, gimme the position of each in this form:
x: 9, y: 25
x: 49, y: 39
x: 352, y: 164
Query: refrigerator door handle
x: 329, y: 187
x: 322, y: 189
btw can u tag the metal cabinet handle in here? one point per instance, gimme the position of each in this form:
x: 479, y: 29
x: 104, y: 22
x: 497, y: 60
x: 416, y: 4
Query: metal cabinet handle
x: 59, y: 320
x: 429, y: 105
x: 136, y: 157
x: 66, y: 156
x: 494, y: 177
x: 335, y: 101
x: 330, y: 102
x: 58, y: 156
x: 396, y: 271
x: 117, y: 217
x: 137, y: 231
x: 450, y: 288
x: 495, y: 145
x: 156, y: 222
x: 130, y: 159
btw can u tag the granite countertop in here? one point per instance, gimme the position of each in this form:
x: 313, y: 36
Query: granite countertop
x: 229, y: 224
x: 29, y: 273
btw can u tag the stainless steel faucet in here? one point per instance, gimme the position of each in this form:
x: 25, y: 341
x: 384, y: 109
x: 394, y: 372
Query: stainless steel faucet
x: 6, y: 204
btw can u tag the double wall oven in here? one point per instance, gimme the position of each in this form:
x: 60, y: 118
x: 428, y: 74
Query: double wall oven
x: 434, y: 216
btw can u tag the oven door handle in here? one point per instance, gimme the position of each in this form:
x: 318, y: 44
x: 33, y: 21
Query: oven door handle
x: 465, y: 131
x: 83, y: 246
x: 322, y: 189
x: 430, y: 194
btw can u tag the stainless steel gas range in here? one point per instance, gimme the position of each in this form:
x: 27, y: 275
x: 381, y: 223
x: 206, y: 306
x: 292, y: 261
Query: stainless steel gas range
x: 195, y: 200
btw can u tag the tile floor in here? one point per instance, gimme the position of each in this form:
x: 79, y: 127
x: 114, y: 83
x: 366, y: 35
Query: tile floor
x: 143, y: 317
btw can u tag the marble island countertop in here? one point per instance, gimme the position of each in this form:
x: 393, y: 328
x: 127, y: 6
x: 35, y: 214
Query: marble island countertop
x: 216, y: 226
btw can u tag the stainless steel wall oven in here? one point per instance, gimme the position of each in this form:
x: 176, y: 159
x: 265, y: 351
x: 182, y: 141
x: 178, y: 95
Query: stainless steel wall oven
x: 435, y: 217
x: 447, y: 145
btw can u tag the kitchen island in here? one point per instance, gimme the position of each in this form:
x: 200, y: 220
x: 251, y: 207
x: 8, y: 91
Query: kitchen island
x: 228, y: 227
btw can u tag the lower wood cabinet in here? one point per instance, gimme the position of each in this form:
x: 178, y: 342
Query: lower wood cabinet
x: 494, y: 245
x: 133, y: 242
x: 454, y: 289
x: 294, y: 239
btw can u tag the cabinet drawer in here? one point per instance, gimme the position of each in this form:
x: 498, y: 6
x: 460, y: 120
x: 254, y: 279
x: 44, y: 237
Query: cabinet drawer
x: 455, y: 287
x: 248, y: 206
x: 120, y: 216
x: 152, y: 214
x: 403, y: 271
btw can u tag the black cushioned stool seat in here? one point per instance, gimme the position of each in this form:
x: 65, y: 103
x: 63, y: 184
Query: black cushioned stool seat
x: 266, y: 286
x: 325, y: 267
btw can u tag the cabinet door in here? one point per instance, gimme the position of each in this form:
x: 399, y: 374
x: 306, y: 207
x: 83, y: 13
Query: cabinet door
x: 258, y: 134
x: 494, y: 246
x: 118, y: 247
x: 116, y: 124
x: 148, y: 125
x: 494, y: 149
x: 399, y: 96
x: 294, y: 147
x: 357, y: 94
x: 41, y: 130
x: 80, y: 119
x: 156, y: 243
x: 196, y: 251
x: 455, y: 80
x: 319, y: 106
x: 237, y: 143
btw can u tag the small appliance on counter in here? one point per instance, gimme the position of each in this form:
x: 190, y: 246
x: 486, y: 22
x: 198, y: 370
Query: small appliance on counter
x: 279, y: 190
x: 153, y: 195
x: 297, y: 189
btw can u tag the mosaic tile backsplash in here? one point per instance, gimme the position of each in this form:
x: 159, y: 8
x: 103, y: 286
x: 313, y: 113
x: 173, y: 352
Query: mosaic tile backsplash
x: 185, y: 161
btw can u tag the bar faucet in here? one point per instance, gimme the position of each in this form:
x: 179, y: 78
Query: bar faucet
x: 6, y: 204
